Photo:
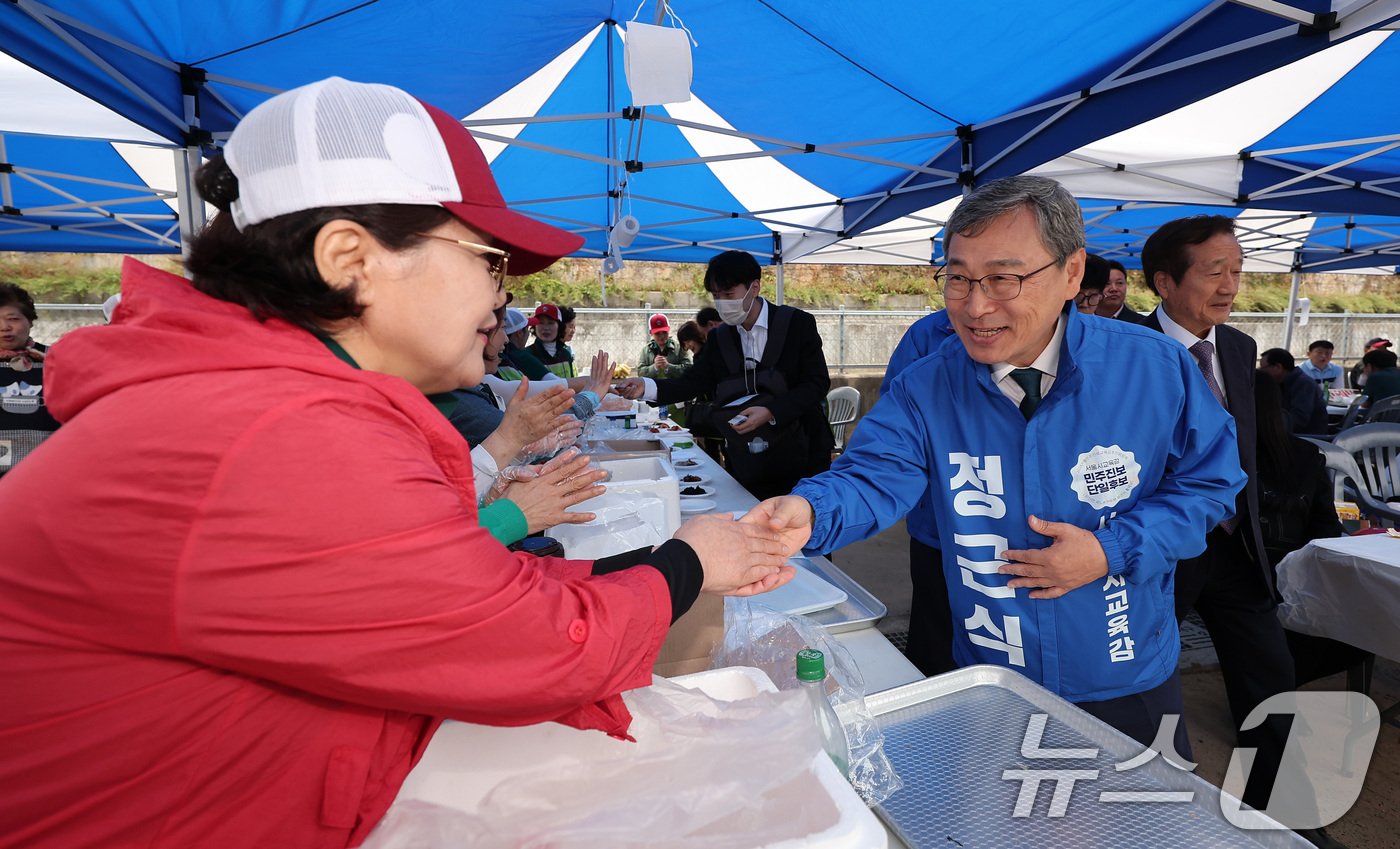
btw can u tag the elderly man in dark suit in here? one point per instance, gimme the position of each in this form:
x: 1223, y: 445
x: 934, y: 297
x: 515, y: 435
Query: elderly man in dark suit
x: 1194, y: 264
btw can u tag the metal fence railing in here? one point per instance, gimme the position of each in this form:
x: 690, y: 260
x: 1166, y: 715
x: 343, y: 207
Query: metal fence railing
x: 853, y: 340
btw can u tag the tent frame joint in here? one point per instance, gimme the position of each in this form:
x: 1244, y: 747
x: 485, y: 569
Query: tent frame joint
x: 1323, y: 23
x: 633, y: 166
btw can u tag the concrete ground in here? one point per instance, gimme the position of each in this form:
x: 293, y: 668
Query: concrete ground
x: 881, y: 565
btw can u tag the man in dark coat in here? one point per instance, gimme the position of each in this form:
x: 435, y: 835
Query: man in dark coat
x: 1194, y: 265
x: 780, y: 434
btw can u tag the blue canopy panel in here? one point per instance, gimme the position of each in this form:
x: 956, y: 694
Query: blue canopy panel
x: 80, y: 195
x: 1349, y: 111
x: 1341, y: 242
x: 1104, y: 102
x: 456, y: 56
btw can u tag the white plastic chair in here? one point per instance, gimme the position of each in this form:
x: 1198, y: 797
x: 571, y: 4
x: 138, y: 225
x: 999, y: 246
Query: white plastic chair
x: 842, y: 403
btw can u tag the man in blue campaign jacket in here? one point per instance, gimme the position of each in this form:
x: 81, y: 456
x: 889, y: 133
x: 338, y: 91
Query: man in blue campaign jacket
x: 1062, y: 505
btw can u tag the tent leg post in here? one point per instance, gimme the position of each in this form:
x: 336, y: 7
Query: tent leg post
x: 1292, y: 304
x: 187, y: 162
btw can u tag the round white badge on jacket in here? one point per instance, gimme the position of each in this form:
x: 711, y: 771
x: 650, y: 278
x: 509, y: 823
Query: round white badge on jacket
x: 1105, y: 476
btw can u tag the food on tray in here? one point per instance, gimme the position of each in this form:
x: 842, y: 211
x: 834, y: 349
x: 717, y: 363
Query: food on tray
x: 692, y: 479
x: 687, y: 463
x: 614, y: 404
x: 693, y: 490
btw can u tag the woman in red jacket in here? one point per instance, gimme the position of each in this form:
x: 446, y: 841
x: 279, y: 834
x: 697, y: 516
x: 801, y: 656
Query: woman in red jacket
x: 244, y: 583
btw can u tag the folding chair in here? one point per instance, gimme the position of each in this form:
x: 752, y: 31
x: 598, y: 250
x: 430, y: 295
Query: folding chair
x: 1376, y: 449
x: 1354, y: 415
x: 841, y: 406
x: 1384, y: 410
x: 1343, y: 467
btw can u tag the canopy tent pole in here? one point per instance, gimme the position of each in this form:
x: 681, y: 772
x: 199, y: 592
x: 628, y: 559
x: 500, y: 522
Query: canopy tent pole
x: 778, y: 266
x: 187, y: 160
x: 1293, y: 300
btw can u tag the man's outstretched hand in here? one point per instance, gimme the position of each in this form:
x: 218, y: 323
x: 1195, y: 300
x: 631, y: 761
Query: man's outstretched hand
x: 790, y: 515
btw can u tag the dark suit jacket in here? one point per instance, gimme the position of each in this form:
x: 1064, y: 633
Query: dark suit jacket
x: 801, y: 363
x: 1126, y: 314
x: 1237, y: 353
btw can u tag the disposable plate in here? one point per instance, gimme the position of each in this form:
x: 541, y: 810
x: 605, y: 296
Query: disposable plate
x: 696, y: 505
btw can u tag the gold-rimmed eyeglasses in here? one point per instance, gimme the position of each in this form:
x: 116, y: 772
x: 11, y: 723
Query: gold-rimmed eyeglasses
x: 998, y: 287
x: 497, y: 258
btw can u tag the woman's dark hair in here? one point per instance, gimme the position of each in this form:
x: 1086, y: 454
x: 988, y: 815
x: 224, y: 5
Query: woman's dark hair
x: 690, y: 332
x: 13, y: 296
x: 566, y: 315
x: 1271, y: 433
x: 270, y: 268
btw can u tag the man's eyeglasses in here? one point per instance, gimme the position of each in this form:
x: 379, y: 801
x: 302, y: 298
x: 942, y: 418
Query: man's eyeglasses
x: 495, y: 257
x: 1091, y: 299
x: 998, y: 287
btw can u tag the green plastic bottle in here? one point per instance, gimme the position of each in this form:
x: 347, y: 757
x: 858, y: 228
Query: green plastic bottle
x: 811, y: 674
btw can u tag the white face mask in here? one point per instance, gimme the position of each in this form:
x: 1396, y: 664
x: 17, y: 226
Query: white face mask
x: 733, y: 313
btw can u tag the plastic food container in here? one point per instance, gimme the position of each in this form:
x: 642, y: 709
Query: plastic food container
x: 465, y: 762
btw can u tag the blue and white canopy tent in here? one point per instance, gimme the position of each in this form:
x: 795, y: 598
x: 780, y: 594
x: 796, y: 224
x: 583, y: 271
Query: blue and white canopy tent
x: 809, y: 123
x: 76, y: 176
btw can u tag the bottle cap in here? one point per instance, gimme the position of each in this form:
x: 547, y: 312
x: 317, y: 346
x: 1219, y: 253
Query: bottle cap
x: 811, y: 665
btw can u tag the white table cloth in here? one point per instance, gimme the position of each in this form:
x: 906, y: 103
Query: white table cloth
x: 1346, y: 588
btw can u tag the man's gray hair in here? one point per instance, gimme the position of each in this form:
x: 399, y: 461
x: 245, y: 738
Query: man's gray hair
x: 1057, y: 213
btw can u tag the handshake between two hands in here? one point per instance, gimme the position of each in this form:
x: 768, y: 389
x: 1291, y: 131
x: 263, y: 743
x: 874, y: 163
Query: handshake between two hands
x: 749, y: 555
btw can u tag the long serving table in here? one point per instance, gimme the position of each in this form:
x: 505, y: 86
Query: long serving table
x: 853, y: 621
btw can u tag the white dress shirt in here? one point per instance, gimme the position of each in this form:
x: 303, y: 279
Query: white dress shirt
x: 1188, y: 339
x: 1048, y: 364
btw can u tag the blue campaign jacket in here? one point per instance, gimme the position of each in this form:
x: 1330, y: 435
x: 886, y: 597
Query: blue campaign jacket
x: 921, y: 339
x: 1142, y: 454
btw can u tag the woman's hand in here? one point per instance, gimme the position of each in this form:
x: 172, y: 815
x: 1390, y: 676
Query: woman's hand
x: 740, y: 558
x: 529, y: 419
x: 561, y: 483
x: 789, y: 516
x: 566, y: 432
x: 600, y: 375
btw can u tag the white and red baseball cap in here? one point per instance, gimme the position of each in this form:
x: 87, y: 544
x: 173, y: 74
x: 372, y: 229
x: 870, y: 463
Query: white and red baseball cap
x: 342, y: 143
x: 659, y: 323
x: 547, y: 311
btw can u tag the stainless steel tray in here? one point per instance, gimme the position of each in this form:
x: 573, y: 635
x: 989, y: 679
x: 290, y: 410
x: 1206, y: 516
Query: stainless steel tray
x: 950, y: 738
x: 859, y: 610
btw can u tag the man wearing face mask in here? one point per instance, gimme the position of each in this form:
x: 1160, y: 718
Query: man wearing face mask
x: 765, y: 369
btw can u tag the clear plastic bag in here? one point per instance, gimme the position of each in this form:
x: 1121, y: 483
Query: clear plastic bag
x: 759, y: 636
x: 547, y: 446
x: 702, y: 773
x: 518, y: 473
x: 623, y: 521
